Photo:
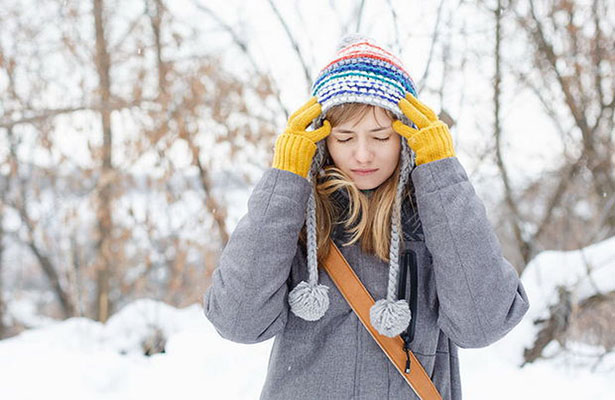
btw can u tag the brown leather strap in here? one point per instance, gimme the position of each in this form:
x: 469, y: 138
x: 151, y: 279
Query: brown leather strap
x: 361, y: 301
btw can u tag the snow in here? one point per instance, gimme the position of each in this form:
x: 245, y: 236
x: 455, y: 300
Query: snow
x: 550, y: 269
x: 566, y: 375
x: 83, y: 359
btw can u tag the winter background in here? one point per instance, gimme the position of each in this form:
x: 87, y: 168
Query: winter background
x: 82, y: 358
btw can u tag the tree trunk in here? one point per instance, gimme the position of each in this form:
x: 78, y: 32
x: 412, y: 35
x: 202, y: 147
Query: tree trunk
x: 104, y: 260
x: 515, y: 219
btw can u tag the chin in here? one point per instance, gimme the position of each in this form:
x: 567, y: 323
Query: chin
x: 366, y: 186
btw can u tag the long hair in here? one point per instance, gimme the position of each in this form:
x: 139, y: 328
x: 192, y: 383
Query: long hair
x: 368, y: 218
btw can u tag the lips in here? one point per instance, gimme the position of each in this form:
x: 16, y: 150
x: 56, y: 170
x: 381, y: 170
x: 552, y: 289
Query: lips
x: 364, y: 171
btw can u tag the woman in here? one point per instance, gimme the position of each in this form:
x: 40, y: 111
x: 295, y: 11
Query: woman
x: 377, y: 174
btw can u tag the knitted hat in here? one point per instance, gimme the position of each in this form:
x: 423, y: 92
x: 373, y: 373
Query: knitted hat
x: 361, y: 72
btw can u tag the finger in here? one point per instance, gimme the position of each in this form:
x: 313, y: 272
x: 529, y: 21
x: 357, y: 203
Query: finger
x: 302, y: 120
x: 309, y: 103
x: 403, y: 129
x: 428, y: 112
x: 320, y: 133
x: 413, y: 113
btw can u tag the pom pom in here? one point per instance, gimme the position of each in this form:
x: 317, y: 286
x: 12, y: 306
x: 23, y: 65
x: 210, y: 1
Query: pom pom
x: 351, y: 38
x: 309, y: 302
x: 390, y: 318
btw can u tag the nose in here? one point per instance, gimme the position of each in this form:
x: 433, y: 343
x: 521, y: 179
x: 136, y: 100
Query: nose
x: 363, y: 154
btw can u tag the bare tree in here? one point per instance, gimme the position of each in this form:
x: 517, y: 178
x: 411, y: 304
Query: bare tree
x: 16, y: 191
x: 572, y: 75
x: 104, y: 262
x: 554, y: 327
x: 243, y: 45
x: 575, y: 61
x: 516, y: 220
x: 179, y: 99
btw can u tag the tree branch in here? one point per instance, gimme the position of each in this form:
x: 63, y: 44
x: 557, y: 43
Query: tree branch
x: 293, y: 42
x: 243, y: 46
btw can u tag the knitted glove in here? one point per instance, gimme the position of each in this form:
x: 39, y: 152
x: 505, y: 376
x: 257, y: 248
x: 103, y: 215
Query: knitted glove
x: 295, y: 148
x: 432, y: 141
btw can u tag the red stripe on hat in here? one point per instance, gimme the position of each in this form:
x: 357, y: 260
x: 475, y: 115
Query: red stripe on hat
x: 369, y: 44
x: 365, y: 55
x: 354, y: 54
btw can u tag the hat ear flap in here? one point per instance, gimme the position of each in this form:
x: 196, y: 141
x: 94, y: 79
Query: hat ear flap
x: 310, y: 300
x: 391, y: 316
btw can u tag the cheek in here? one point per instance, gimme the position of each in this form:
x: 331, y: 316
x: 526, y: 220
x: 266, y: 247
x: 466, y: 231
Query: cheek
x: 336, y: 150
x: 392, y: 151
x: 390, y: 157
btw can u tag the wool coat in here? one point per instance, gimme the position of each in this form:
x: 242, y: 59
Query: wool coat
x: 469, y: 295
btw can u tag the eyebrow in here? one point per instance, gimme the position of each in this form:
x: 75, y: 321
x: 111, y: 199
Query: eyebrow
x: 371, y: 130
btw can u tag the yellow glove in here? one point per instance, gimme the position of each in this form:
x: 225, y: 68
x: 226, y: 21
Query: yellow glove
x: 432, y: 141
x: 295, y: 148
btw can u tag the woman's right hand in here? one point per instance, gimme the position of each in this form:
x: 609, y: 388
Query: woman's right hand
x: 295, y: 148
x: 432, y: 141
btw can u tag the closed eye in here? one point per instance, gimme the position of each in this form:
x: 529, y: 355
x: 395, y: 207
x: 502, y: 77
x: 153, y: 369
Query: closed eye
x: 380, y: 139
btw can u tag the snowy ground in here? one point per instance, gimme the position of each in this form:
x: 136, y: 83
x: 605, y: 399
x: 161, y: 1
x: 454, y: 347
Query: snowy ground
x: 82, y: 359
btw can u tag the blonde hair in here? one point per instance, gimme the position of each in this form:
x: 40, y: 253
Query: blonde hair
x: 368, y: 217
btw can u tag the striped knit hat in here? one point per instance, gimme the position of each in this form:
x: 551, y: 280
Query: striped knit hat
x: 361, y: 72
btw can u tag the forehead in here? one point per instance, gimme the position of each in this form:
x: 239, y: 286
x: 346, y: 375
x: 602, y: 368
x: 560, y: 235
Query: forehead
x: 374, y: 117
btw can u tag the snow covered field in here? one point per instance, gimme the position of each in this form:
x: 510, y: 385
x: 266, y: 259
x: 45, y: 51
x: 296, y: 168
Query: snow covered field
x: 83, y: 359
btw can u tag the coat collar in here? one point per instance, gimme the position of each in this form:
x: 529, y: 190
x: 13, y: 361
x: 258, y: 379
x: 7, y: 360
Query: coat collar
x: 411, y: 222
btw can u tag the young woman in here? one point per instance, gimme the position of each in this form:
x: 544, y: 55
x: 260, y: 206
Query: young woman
x: 376, y: 173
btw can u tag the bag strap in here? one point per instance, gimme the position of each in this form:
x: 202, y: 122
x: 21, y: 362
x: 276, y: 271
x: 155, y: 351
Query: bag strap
x: 361, y: 301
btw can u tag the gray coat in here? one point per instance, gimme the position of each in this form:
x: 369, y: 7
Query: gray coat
x: 469, y: 295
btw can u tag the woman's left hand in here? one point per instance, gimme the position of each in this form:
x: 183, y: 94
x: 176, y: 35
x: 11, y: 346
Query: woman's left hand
x: 432, y: 141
